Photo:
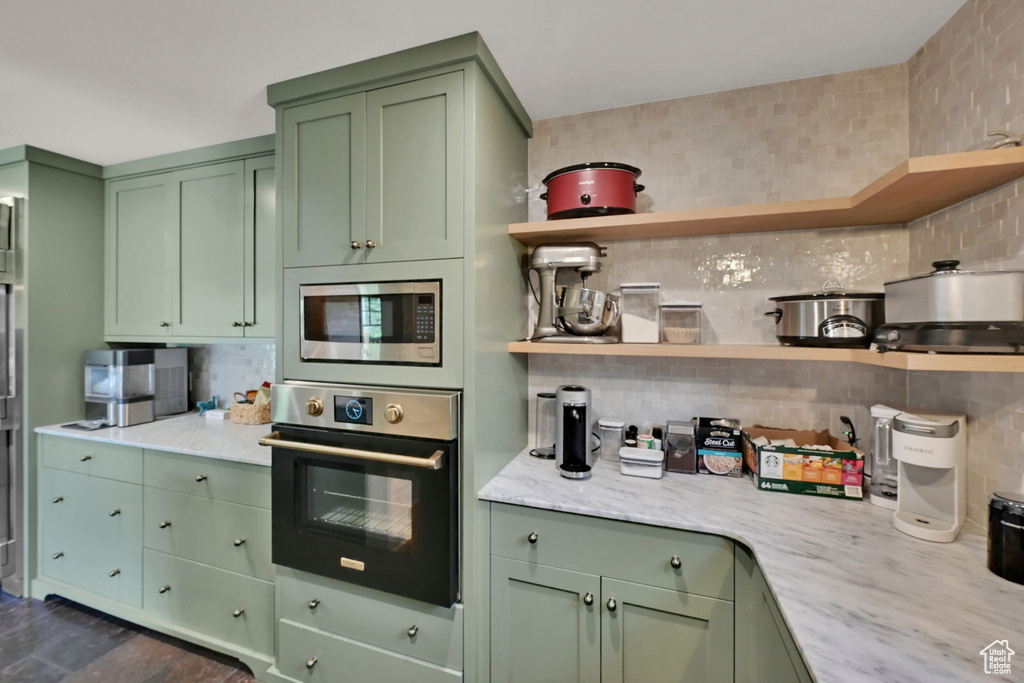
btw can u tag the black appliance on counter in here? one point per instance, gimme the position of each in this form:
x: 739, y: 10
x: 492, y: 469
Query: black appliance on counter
x: 1006, y: 535
x: 365, y: 486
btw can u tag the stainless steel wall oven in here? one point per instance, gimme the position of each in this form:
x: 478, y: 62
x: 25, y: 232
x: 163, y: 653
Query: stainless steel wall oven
x: 366, y: 486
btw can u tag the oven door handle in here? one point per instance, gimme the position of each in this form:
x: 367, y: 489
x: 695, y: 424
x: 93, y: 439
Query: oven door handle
x: 434, y: 462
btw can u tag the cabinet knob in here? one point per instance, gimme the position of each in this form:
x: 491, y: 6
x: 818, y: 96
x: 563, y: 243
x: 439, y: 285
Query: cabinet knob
x: 58, y: 499
x: 354, y: 245
x: 85, y: 458
x: 370, y: 244
x: 675, y: 562
x: 311, y: 662
x: 165, y: 324
x: 247, y: 324
x: 200, y: 477
x: 163, y: 589
x: 532, y: 538
x: 239, y: 541
x: 313, y: 604
x: 115, y: 512
x: 238, y: 612
x: 57, y: 555
x: 413, y: 630
x: 164, y: 524
x: 114, y: 573
x: 238, y: 323
x: 588, y: 599
x: 612, y: 605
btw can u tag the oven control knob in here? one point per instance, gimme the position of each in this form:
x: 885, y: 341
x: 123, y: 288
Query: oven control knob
x: 314, y: 406
x: 393, y: 413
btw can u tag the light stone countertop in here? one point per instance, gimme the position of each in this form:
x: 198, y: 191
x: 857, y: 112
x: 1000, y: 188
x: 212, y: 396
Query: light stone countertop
x: 864, y: 602
x: 188, y: 434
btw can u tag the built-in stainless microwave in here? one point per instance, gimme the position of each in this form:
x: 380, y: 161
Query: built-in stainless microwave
x: 394, y: 323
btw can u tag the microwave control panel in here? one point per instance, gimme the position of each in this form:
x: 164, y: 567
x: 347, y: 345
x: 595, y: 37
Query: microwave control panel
x: 424, y: 316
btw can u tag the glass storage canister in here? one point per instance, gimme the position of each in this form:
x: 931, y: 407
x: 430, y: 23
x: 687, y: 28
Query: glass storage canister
x: 640, y: 312
x: 611, y: 430
x: 681, y: 322
x: 544, y: 427
x: 680, y: 451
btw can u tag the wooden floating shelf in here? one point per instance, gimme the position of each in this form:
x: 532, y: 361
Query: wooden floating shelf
x: 916, y: 188
x: 893, y: 359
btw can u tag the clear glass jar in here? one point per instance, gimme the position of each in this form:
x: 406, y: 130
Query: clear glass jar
x: 640, y: 313
x: 681, y: 322
x: 611, y: 431
x: 544, y: 427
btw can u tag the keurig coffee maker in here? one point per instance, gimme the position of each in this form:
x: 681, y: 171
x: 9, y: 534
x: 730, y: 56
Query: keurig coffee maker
x: 572, y: 445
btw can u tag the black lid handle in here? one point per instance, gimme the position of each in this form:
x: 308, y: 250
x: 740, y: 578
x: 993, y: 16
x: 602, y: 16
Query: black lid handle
x: 638, y: 188
x: 945, y: 266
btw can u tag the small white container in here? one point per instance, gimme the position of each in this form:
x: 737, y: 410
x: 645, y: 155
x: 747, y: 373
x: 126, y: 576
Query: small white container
x: 641, y: 462
x: 680, y: 322
x: 611, y: 431
x: 640, y: 312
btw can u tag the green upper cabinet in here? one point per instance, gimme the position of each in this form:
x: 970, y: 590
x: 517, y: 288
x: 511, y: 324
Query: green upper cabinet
x: 192, y: 251
x: 140, y: 256
x: 414, y: 170
x: 323, y: 174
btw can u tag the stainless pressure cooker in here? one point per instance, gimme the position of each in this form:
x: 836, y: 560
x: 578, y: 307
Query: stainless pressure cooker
x: 832, y: 316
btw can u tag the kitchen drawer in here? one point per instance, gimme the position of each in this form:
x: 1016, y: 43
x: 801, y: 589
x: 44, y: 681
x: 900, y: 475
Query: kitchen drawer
x: 372, y: 617
x: 100, y: 565
x: 91, y: 505
x: 632, y: 552
x: 210, y: 478
x: 207, y: 599
x: 123, y: 463
x: 226, y: 535
x: 316, y: 657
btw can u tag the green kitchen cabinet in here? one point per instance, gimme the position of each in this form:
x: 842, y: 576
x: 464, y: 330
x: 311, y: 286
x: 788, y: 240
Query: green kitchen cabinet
x: 260, y: 248
x: 651, y: 634
x: 545, y: 624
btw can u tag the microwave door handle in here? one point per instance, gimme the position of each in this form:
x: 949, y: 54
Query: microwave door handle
x: 434, y: 462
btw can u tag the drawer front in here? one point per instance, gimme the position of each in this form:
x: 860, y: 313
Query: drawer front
x: 225, y: 535
x: 209, y: 478
x: 91, y: 505
x: 316, y: 657
x: 632, y: 552
x: 372, y: 617
x: 101, y: 565
x: 123, y: 463
x: 207, y: 599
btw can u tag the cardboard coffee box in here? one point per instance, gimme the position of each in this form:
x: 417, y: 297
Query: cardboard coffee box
x: 719, y: 443
x: 838, y: 473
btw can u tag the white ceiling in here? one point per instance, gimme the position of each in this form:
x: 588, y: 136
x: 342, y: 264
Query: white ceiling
x: 115, y: 80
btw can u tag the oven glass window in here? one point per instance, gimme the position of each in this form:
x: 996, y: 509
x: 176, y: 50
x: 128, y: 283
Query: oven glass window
x: 374, y: 510
x: 370, y: 319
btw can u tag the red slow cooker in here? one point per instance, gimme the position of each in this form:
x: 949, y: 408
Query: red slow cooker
x: 596, y: 188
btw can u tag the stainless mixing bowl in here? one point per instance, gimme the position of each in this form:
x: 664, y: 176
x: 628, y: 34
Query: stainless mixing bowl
x: 586, y: 312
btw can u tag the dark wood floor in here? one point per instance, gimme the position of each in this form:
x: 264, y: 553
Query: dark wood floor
x: 58, y: 640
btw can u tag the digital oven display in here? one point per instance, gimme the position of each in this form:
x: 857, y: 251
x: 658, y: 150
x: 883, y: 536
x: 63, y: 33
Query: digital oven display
x: 353, y: 410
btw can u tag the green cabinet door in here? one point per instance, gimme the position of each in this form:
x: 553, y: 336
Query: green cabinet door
x: 260, y: 248
x: 414, y: 170
x: 654, y: 635
x: 324, y: 181
x: 542, y: 627
x: 140, y: 256
x: 209, y: 222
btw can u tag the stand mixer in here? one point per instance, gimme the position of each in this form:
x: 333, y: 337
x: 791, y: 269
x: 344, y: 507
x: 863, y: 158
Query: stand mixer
x: 572, y: 314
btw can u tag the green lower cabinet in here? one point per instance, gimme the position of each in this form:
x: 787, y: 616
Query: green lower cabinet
x: 312, y: 656
x: 653, y: 635
x: 103, y: 566
x: 208, y: 478
x: 92, y: 505
x: 223, y: 605
x: 545, y: 624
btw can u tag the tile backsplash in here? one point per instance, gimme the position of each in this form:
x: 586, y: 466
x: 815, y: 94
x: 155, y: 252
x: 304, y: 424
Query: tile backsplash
x: 222, y: 369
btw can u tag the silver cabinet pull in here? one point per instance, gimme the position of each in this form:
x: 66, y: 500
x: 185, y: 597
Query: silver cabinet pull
x: 314, y: 603
x: 370, y: 244
x: 675, y: 562
x: 85, y: 458
x: 200, y: 477
x: 247, y: 324
x: 163, y: 589
x: 413, y: 630
x: 114, y: 573
x: 311, y: 662
x: 59, y: 554
x: 612, y: 605
x: 115, y: 512
x: 239, y: 541
x: 165, y: 324
x: 354, y: 245
x: 434, y: 462
x: 238, y: 612
x: 532, y: 538
x: 588, y: 599
x: 238, y: 323
x: 58, y: 499
x: 164, y: 524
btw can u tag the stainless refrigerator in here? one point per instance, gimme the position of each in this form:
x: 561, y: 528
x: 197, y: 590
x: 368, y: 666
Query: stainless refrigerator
x: 12, y: 569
